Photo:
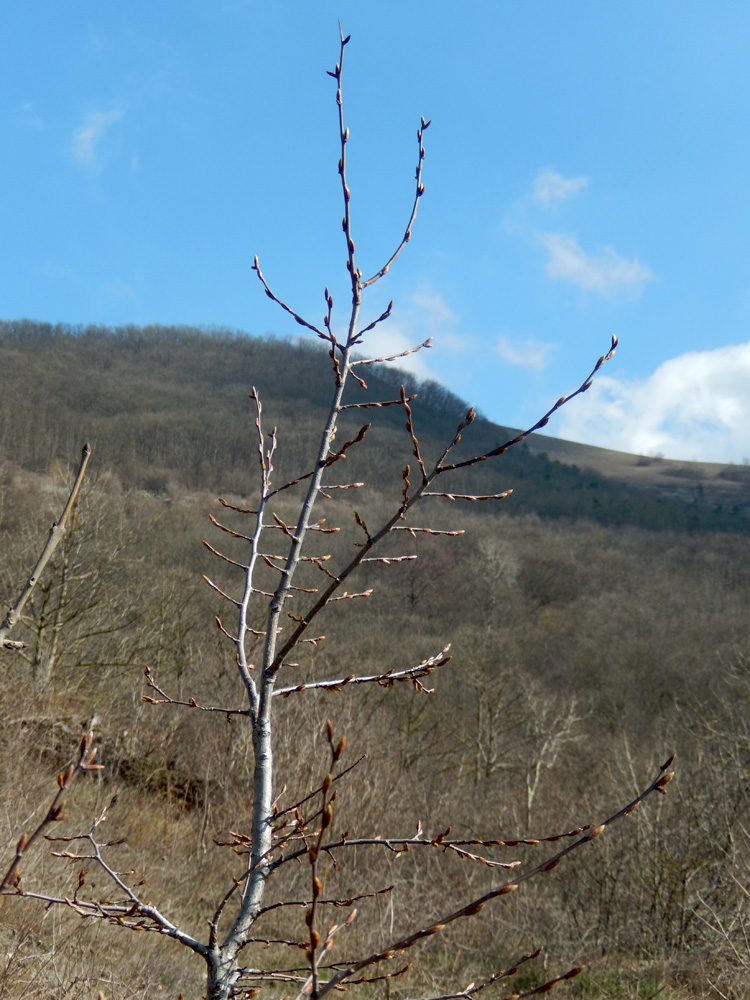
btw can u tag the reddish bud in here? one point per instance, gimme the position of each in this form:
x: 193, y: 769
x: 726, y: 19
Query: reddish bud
x: 64, y: 779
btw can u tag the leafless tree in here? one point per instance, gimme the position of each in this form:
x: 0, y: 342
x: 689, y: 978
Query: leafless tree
x: 289, y: 583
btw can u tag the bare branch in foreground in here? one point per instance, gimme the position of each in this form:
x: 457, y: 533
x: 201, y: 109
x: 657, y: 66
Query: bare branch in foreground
x: 56, y: 533
x: 542, y: 422
x: 475, y: 906
x: 55, y: 813
x: 386, y: 679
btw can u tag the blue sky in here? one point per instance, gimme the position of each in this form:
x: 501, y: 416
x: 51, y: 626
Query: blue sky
x: 587, y: 173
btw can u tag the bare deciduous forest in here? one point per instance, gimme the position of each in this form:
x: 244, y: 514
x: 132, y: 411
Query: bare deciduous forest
x: 595, y: 627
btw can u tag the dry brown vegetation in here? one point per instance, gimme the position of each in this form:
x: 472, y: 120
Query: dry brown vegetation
x: 649, y: 642
x: 584, y: 651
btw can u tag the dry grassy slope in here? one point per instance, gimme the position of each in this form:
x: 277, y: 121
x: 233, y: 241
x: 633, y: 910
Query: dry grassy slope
x: 676, y: 478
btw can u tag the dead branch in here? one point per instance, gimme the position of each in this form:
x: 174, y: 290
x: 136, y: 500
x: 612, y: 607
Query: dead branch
x: 53, y: 540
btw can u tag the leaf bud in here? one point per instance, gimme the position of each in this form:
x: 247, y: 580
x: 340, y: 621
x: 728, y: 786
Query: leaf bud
x: 64, y: 779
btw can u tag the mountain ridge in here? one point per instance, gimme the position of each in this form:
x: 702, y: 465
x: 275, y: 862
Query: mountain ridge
x: 170, y: 404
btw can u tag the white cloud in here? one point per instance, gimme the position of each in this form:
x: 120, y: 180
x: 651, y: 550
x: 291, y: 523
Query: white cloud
x: 425, y: 313
x: 551, y: 188
x: 607, y: 274
x: 524, y: 353
x: 392, y: 340
x: 88, y: 136
x: 694, y: 407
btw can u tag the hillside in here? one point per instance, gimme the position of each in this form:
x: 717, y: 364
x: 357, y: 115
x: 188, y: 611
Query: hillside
x: 154, y: 400
x: 598, y: 622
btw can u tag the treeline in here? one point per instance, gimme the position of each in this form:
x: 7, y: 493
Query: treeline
x: 153, y: 401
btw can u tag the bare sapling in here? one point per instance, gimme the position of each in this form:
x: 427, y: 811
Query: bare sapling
x: 285, y: 581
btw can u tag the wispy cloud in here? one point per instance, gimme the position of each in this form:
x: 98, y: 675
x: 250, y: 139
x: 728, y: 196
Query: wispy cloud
x: 608, y: 274
x: 118, y: 289
x: 694, y: 407
x: 97, y: 42
x: 29, y: 116
x: 425, y: 313
x: 550, y: 188
x: 88, y: 137
x: 57, y: 272
x: 524, y: 353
